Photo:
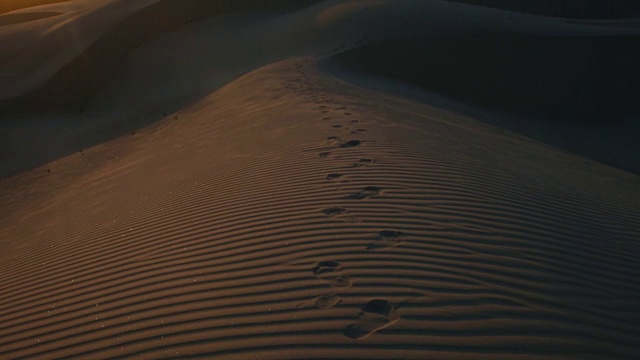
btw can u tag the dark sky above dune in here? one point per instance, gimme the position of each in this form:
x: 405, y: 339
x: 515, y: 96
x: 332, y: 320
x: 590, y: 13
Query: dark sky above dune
x: 591, y: 9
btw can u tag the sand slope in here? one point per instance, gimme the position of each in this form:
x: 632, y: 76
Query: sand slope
x: 293, y: 215
x: 289, y: 214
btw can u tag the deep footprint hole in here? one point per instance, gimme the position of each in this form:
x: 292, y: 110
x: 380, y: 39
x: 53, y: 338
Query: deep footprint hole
x: 350, y: 143
x: 378, y: 306
x: 390, y: 234
x: 324, y: 267
x: 334, y: 211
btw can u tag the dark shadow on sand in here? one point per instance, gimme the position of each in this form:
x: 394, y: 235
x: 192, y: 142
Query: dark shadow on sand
x: 575, y: 79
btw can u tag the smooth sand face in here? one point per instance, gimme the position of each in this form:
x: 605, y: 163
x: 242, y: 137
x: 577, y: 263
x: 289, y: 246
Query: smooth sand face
x: 21, y: 18
x: 290, y: 214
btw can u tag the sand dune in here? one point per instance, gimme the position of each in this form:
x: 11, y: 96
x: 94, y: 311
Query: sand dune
x: 579, y: 79
x: 73, y: 83
x: 291, y: 214
x: 574, y: 92
x: 8, y: 6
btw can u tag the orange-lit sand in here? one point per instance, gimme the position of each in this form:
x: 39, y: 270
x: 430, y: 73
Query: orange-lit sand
x: 289, y: 214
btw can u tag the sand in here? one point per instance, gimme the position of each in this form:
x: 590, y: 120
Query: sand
x: 292, y: 212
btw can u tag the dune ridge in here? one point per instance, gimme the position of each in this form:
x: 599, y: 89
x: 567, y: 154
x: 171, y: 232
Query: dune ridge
x: 132, y: 97
x: 8, y: 6
x: 230, y: 252
x: 71, y: 86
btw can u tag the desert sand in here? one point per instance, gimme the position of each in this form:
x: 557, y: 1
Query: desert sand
x: 269, y: 182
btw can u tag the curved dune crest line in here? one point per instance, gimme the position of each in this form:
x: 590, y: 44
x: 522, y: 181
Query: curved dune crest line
x: 7, y: 6
x: 13, y: 19
x: 468, y: 242
x: 71, y: 85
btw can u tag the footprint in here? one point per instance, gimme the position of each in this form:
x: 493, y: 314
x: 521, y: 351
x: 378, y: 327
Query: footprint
x: 338, y: 213
x: 333, y: 140
x: 334, y: 211
x: 387, y: 239
x: 365, y: 193
x: 327, y: 267
x: 347, y: 113
x: 364, y: 162
x: 324, y: 154
x: 375, y: 315
x: 350, y: 143
x: 358, y: 131
x: 337, y: 126
x: 333, y: 176
x: 327, y: 301
x: 354, y: 121
x: 331, y: 272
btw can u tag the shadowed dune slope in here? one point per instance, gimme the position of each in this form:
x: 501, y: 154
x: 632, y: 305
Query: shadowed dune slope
x: 563, y: 78
x: 115, y: 65
x: 290, y: 215
x: 70, y: 87
x: 578, y: 93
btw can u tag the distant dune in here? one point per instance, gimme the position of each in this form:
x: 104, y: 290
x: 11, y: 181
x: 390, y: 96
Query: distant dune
x: 343, y: 180
x: 12, y: 5
x: 77, y: 81
x: 593, y: 79
x: 575, y: 92
x: 579, y: 9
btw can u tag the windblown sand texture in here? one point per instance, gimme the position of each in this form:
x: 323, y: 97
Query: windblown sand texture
x: 293, y: 213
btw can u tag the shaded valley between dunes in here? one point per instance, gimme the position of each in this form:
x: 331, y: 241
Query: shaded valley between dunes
x: 575, y: 92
